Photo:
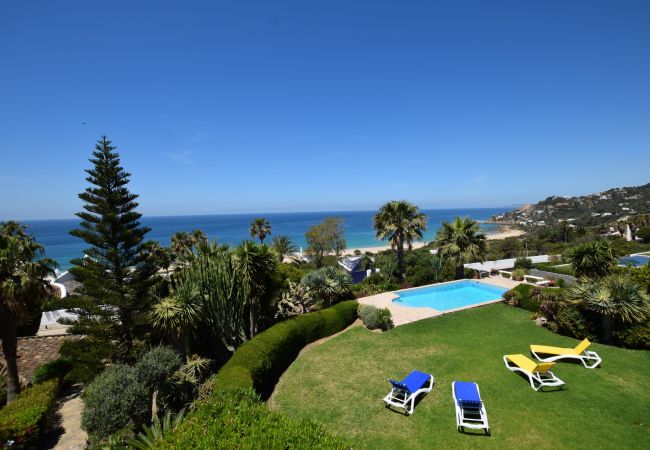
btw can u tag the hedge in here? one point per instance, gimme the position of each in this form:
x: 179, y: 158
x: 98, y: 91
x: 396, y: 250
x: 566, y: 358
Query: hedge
x: 238, y: 418
x: 258, y: 363
x: 23, y: 420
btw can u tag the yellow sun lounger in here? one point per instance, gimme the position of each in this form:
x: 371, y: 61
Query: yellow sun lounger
x: 538, y: 374
x: 589, y: 359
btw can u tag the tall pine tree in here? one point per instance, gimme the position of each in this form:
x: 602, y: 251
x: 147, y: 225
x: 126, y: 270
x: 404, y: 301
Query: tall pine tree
x: 116, y: 274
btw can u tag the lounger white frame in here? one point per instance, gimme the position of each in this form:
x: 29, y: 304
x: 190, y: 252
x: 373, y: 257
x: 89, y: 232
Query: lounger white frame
x: 584, y: 357
x: 462, y: 421
x: 537, y: 380
x: 400, y: 398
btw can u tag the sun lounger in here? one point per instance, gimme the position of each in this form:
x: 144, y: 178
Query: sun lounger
x: 404, y: 393
x: 588, y: 358
x: 539, y: 375
x: 470, y: 410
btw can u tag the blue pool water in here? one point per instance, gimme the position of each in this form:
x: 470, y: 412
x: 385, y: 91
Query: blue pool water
x: 634, y: 261
x: 448, y: 296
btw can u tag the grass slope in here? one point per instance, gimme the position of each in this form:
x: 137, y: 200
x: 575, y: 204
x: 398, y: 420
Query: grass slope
x: 341, y: 383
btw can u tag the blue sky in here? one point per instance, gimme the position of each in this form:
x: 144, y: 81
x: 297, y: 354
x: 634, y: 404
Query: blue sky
x: 221, y: 107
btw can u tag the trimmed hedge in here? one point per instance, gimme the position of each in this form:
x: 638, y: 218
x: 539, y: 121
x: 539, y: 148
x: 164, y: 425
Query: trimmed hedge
x: 23, y: 420
x: 259, y: 362
x: 239, y: 419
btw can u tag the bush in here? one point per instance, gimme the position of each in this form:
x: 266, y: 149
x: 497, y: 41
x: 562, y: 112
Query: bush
x: 644, y: 233
x: 56, y: 369
x: 260, y: 361
x: 239, y: 419
x: 575, y: 322
x: 518, y: 274
x: 23, y: 420
x: 114, y: 400
x: 156, y: 367
x: 524, y: 263
x: 554, y: 268
x: 635, y: 336
x: 375, y: 318
x: 512, y: 297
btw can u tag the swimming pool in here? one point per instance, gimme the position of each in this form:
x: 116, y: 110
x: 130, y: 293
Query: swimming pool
x: 447, y: 296
x: 634, y: 260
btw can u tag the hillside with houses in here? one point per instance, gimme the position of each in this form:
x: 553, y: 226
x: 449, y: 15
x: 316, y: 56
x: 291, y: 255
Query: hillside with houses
x: 599, y: 209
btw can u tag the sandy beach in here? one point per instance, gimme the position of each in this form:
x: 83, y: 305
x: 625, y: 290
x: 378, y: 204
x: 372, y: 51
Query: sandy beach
x: 506, y: 232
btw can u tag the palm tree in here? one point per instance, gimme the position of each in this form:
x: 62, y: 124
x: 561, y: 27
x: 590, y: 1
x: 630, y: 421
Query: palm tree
x: 180, y: 313
x: 461, y: 241
x: 23, y: 285
x: 401, y: 223
x: 615, y: 298
x: 260, y: 228
x: 328, y: 284
x: 592, y: 259
x: 283, y: 246
x: 184, y: 245
x: 255, y: 265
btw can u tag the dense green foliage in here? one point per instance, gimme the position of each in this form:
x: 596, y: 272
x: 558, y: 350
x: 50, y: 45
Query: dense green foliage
x: 325, y: 237
x: 644, y: 233
x: 23, y: 287
x: 401, y: 223
x: 239, y: 419
x: 116, y: 273
x: 555, y: 268
x: 114, y: 400
x: 23, y: 420
x: 341, y: 382
x: 375, y: 318
x: 88, y: 356
x: 52, y: 370
x: 121, y: 396
x: 258, y: 363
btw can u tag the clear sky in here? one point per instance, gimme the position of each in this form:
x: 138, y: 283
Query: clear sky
x: 239, y: 106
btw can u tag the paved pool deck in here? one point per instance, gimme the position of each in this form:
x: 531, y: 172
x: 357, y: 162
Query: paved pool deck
x: 406, y: 314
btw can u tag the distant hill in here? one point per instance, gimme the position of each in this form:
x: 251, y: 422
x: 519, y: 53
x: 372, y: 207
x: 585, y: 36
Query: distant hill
x: 587, y: 210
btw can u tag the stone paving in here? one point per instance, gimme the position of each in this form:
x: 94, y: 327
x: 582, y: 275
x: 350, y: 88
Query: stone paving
x: 405, y: 314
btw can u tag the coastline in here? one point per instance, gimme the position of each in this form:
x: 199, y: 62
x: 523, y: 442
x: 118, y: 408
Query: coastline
x: 504, y: 233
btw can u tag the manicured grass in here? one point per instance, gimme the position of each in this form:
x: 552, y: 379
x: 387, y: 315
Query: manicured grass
x: 340, y: 383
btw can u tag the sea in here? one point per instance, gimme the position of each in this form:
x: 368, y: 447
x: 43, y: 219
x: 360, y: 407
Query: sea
x: 231, y: 229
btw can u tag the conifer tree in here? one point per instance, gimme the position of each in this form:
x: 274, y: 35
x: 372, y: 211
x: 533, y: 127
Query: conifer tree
x: 115, y: 272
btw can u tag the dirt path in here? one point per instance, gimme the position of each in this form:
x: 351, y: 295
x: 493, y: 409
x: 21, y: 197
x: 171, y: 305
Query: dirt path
x: 306, y: 348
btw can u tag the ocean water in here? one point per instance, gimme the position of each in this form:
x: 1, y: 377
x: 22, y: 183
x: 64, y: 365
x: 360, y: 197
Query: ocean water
x: 233, y: 228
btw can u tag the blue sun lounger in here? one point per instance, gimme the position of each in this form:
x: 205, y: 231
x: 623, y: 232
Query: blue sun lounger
x: 470, y: 410
x: 404, y: 393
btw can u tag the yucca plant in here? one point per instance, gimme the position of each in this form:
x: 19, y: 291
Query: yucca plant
x: 592, y: 259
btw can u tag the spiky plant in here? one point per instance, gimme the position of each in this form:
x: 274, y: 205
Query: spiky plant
x: 328, y: 284
x: 283, y: 246
x: 592, y: 259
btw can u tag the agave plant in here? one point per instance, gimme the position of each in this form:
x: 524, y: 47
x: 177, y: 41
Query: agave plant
x: 614, y: 298
x: 152, y: 435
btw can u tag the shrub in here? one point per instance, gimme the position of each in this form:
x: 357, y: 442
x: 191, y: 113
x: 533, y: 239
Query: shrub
x: 512, y: 297
x: 573, y: 321
x: 375, y: 318
x: 156, y: 367
x: 523, y: 263
x: 56, y: 369
x: 260, y: 361
x: 239, y: 419
x: 518, y: 274
x: 636, y: 336
x: 114, y: 400
x: 23, y: 420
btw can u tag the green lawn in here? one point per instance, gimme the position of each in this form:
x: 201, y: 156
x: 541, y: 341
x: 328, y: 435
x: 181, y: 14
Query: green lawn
x: 341, y: 383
